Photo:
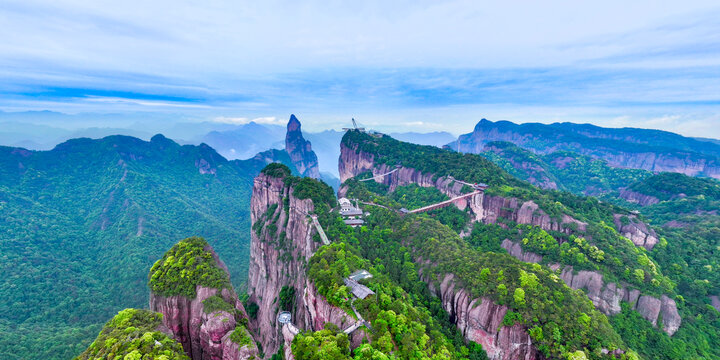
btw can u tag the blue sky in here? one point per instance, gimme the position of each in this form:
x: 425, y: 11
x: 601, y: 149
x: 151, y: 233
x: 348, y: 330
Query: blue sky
x: 420, y: 65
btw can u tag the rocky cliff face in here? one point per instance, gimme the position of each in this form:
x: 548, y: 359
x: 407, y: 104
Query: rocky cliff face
x: 638, y: 198
x: 300, y: 150
x: 485, y: 208
x: 637, y: 231
x: 281, y: 244
x: 620, y: 153
x: 204, y: 336
x: 607, y: 296
x: 480, y: 320
x: 489, y: 209
x: 715, y: 302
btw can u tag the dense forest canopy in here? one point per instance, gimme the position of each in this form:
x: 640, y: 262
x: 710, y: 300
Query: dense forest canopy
x: 84, y: 222
x: 683, y: 263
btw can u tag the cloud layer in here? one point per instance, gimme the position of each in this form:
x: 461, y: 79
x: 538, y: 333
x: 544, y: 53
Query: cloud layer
x: 426, y: 63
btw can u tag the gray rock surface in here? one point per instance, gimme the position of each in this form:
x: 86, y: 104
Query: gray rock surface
x: 638, y: 198
x: 300, y: 150
x: 607, y: 296
x: 275, y: 263
x: 516, y: 250
x: 480, y: 320
x: 715, y: 302
x: 203, y: 336
x: 637, y: 231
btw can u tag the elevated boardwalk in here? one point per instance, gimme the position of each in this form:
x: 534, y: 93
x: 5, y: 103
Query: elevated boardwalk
x: 443, y: 203
x: 478, y: 186
x: 320, y: 230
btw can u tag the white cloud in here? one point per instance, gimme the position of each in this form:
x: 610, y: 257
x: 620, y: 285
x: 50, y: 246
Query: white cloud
x: 270, y: 120
x: 141, y: 102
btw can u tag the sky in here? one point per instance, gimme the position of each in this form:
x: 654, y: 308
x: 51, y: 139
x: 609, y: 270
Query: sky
x: 393, y: 65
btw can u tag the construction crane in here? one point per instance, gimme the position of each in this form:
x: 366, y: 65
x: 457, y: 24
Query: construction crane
x: 355, y: 127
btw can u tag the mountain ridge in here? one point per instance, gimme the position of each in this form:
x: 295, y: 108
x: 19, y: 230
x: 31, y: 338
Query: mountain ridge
x: 615, y: 148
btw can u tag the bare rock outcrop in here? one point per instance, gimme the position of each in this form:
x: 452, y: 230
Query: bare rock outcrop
x: 480, y: 320
x: 637, y: 231
x: 204, y: 336
x: 638, y: 198
x: 715, y: 302
x: 607, y: 296
x: 276, y: 262
x: 300, y: 150
x: 234, y: 351
x: 516, y: 250
x: 280, y: 246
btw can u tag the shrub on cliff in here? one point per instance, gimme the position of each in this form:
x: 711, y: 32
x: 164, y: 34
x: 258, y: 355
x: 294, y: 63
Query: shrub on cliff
x: 277, y: 170
x: 187, y: 264
x: 132, y: 334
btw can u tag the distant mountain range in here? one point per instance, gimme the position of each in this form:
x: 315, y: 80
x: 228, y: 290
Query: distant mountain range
x: 83, y: 222
x: 645, y: 149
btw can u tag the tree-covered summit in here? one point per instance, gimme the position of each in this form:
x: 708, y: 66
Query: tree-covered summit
x: 277, y: 170
x: 428, y: 159
x: 303, y: 187
x: 133, y: 335
x: 186, y: 265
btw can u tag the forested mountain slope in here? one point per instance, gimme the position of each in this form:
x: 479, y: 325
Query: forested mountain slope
x: 561, y: 170
x: 416, y: 310
x: 607, y: 251
x: 82, y: 223
x: 652, y: 150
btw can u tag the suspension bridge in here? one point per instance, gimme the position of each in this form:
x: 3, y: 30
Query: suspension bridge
x: 443, y: 203
x: 397, y: 167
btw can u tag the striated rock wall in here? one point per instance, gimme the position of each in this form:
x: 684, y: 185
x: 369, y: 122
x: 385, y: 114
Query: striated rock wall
x: 485, y: 208
x: 607, y: 296
x: 233, y: 351
x: 480, y: 320
x: 638, y: 198
x: 300, y: 150
x: 203, y: 336
x: 637, y: 231
x: 276, y: 262
x: 545, y: 139
x: 273, y: 265
x: 516, y: 250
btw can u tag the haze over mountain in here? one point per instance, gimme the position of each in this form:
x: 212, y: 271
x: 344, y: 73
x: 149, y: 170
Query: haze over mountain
x: 160, y: 198
x: 83, y: 221
x: 627, y: 147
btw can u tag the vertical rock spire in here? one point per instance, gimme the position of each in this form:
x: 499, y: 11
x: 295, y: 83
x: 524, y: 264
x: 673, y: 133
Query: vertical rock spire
x: 300, y: 150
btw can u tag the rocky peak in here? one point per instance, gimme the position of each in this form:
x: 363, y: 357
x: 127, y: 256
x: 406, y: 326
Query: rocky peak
x: 191, y: 287
x: 294, y: 124
x: 281, y: 243
x: 300, y: 150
